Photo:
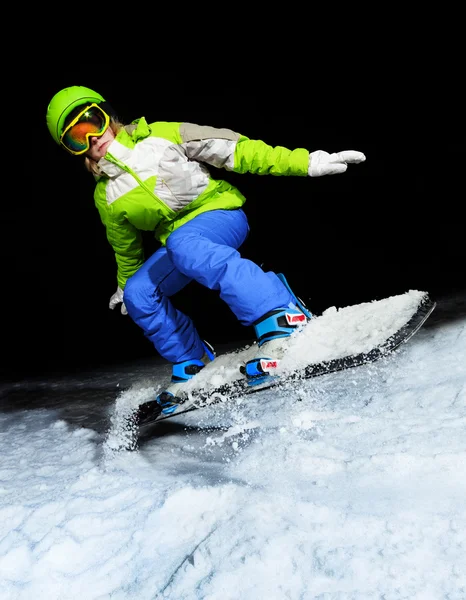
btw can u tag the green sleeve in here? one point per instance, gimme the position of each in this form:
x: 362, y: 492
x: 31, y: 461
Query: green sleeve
x: 255, y: 156
x: 127, y: 243
x: 125, y: 238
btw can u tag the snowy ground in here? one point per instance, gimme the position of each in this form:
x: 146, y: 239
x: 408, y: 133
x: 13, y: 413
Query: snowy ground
x: 348, y: 486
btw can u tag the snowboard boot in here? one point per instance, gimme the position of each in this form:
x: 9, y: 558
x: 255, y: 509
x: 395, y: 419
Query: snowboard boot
x: 272, y: 330
x: 173, y: 397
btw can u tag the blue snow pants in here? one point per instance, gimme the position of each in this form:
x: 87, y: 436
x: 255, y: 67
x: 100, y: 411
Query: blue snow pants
x: 204, y: 250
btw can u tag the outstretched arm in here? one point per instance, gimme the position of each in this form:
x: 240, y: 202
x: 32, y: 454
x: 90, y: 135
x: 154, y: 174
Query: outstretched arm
x: 224, y: 148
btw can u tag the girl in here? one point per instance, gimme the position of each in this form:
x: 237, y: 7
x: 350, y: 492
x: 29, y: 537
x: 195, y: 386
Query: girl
x: 153, y: 177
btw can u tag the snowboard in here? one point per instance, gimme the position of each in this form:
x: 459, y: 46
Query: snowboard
x: 336, y: 340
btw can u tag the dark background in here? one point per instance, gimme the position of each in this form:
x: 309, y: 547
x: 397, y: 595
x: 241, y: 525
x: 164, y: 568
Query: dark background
x: 388, y: 225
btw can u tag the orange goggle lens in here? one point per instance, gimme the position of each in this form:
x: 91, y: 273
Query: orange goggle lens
x: 91, y: 122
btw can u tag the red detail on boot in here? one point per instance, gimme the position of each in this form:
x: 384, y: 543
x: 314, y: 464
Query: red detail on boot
x: 267, y: 364
x: 295, y: 319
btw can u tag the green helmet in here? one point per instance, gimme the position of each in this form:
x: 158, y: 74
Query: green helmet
x: 64, y: 102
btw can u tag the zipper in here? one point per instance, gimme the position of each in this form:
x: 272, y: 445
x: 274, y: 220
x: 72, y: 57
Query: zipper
x: 141, y: 183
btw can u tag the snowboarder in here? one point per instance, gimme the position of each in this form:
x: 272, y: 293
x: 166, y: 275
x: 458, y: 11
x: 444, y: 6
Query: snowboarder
x: 153, y: 177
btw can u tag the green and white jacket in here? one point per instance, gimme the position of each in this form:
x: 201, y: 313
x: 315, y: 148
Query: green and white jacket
x: 154, y: 179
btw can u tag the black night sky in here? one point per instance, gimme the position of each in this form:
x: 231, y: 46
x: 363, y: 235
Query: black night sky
x: 380, y: 229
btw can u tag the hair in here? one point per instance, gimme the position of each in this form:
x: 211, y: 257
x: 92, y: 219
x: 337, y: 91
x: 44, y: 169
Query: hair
x: 90, y: 164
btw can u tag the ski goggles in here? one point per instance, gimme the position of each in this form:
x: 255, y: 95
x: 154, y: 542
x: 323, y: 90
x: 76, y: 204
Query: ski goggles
x: 90, y: 122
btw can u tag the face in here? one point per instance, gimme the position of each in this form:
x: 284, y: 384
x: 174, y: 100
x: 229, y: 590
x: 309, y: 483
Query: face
x: 99, y: 145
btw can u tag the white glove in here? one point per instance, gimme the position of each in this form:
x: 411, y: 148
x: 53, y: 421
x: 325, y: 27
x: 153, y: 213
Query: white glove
x: 323, y: 163
x: 116, y: 299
